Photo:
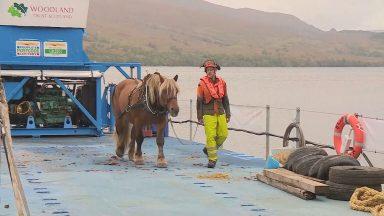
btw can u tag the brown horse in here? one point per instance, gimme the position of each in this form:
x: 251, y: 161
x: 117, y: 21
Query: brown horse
x: 138, y: 103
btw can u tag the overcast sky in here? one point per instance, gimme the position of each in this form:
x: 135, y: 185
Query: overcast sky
x: 323, y: 14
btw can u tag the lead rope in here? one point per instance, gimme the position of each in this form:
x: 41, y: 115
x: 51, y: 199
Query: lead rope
x: 177, y: 137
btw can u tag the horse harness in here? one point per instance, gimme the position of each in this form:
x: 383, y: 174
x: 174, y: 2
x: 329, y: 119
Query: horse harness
x: 143, y: 102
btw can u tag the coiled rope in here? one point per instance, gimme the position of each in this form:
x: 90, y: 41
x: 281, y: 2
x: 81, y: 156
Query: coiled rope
x: 300, y: 135
x: 368, y: 200
x: 25, y: 105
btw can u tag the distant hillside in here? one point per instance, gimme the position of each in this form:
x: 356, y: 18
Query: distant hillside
x: 184, y: 32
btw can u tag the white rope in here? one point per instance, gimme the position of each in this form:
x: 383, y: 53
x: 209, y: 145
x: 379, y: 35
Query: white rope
x: 177, y: 137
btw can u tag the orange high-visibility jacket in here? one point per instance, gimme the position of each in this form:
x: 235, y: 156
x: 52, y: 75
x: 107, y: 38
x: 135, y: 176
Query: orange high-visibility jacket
x: 212, y: 97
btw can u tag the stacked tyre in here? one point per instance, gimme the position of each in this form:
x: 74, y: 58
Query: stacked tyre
x: 343, y: 180
x: 336, y: 160
x: 315, y: 162
x: 316, y: 166
x: 302, y: 158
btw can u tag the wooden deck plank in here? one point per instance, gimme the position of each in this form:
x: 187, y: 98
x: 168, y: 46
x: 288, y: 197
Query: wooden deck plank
x: 296, y: 180
x: 303, y: 194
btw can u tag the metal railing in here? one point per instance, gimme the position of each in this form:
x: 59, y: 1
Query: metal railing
x: 267, y: 133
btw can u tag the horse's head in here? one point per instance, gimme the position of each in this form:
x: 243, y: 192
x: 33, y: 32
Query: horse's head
x: 168, y: 95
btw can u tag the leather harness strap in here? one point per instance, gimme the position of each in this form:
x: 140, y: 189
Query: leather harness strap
x: 143, y: 102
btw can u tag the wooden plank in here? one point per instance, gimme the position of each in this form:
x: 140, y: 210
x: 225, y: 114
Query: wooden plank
x: 314, y: 179
x: 21, y: 202
x: 296, y: 180
x: 307, y: 177
x: 287, y: 188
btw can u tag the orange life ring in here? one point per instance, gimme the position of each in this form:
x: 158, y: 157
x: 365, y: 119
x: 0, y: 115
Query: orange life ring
x: 358, y: 131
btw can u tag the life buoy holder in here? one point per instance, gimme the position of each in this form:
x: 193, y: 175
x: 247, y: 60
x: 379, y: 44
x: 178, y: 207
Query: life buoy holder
x: 358, y: 136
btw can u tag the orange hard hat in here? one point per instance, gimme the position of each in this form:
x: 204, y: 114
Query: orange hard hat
x: 210, y: 63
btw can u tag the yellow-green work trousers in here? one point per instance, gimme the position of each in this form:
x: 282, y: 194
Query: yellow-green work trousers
x: 216, y: 132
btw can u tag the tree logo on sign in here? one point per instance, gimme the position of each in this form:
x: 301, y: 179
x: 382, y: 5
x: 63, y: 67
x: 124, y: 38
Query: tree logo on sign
x: 17, y: 10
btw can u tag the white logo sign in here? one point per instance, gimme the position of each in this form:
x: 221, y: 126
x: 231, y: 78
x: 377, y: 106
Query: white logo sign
x: 46, y: 13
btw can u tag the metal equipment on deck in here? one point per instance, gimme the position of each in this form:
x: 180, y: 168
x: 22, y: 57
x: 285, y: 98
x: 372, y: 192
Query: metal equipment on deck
x: 52, y: 87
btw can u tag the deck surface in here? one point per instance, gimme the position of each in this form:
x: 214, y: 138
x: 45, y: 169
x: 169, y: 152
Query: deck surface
x: 79, y: 176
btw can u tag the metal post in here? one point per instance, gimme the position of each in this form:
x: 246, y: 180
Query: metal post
x: 131, y: 72
x: 190, y: 120
x: 138, y: 72
x: 364, y: 155
x: 298, y: 123
x: 112, y: 116
x: 268, y: 108
x: 98, y: 107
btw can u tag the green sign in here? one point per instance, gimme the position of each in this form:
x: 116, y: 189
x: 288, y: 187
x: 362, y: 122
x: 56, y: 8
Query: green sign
x: 55, y: 49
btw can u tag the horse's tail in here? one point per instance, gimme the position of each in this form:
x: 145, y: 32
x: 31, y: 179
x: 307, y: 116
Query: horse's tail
x: 115, y: 137
x: 129, y: 133
x: 123, y: 139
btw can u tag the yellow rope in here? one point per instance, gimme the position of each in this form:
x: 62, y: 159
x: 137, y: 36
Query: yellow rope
x: 378, y: 210
x: 19, y: 108
x: 368, y: 200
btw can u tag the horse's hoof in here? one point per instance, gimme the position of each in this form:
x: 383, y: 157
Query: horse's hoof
x: 131, y: 158
x: 162, y: 164
x: 139, y: 162
x: 119, y: 153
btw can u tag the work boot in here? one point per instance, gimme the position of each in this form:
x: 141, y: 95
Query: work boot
x: 205, y: 151
x: 211, y: 164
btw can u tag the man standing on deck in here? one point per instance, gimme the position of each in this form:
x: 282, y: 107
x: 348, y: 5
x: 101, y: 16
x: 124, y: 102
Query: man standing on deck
x: 213, y: 110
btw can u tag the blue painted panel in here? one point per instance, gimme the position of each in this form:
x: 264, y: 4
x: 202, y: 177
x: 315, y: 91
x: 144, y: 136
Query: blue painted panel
x: 9, y: 86
x: 73, y: 36
x: 55, y: 132
x: 165, y: 132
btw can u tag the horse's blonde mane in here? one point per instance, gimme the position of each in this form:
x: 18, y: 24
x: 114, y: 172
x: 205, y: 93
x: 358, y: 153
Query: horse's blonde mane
x: 156, y: 88
x: 153, y: 83
x: 170, y: 87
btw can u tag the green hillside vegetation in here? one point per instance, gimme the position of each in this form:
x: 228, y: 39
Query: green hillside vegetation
x: 180, y: 33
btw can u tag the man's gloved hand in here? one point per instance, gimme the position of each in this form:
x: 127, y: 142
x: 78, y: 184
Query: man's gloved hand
x: 228, y: 118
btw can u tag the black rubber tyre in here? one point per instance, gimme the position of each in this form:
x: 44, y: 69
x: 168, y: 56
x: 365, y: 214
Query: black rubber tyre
x: 300, y: 135
x: 356, y: 175
x: 301, y: 152
x: 344, y: 191
x: 340, y: 160
x: 315, y: 167
x: 303, y: 165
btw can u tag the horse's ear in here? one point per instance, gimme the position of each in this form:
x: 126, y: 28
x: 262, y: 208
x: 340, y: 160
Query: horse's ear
x: 176, y: 77
x: 161, y: 78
